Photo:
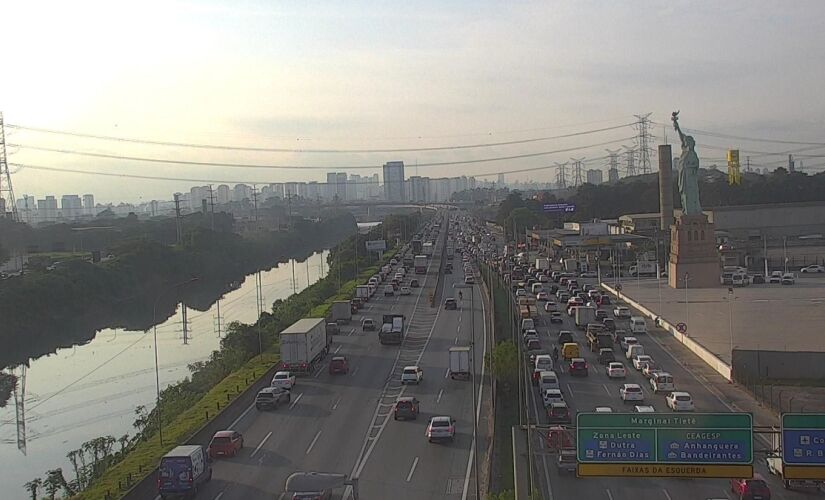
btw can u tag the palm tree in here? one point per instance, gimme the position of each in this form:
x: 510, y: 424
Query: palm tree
x: 32, y: 486
x: 57, y: 476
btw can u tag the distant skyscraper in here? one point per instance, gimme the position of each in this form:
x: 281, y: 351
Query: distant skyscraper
x: 71, y: 206
x: 89, y: 204
x: 419, y: 189
x: 47, y: 209
x: 313, y: 190
x: 290, y: 189
x: 500, y: 180
x: 394, y: 181
x: 279, y: 189
x: 595, y: 176
x: 241, y: 192
x: 27, y: 208
x: 222, y: 194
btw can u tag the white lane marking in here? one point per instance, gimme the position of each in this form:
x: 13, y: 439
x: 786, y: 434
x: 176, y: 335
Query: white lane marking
x: 281, y: 497
x: 338, y: 349
x: 352, y: 330
x: 314, y: 440
x: 667, y: 495
x: 607, y: 390
x: 609, y: 495
x: 317, y: 373
x: 456, y: 341
x: 440, y: 393
x: 335, y: 406
x: 261, y: 444
x: 570, y: 389
x: 355, y: 370
x: 412, y: 469
x: 447, y: 373
x: 295, y: 401
x: 218, y: 497
x: 234, y: 424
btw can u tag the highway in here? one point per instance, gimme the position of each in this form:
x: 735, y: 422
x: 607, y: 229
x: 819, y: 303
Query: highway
x: 343, y: 423
x: 586, y: 393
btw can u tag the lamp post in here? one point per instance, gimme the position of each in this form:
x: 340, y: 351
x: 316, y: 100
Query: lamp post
x: 687, y: 303
x: 730, y: 321
x: 473, y: 379
x: 155, y: 335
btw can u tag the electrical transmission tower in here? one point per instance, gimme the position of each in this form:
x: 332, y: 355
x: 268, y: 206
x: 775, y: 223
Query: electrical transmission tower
x: 613, y: 165
x: 561, y: 182
x: 20, y: 407
x: 577, y: 171
x: 630, y: 158
x: 217, y: 320
x: 8, y: 204
x: 643, y: 140
x: 185, y: 323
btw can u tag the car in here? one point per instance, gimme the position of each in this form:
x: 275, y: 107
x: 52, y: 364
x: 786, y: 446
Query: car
x: 788, y: 279
x: 541, y: 296
x: 662, y: 382
x: 412, y: 375
x: 631, y: 392
x: 757, y: 279
x: 755, y: 488
x: 414, y: 283
x: 389, y: 291
x: 603, y: 300
x: 533, y: 345
x: 405, y: 290
x: 406, y: 407
x: 606, y: 356
x: 813, y: 268
x: 589, y: 274
x: 609, y: 324
x: 549, y: 396
x: 338, y: 364
x: 556, y: 317
x: 393, y: 261
x: 450, y: 303
x: 225, y: 444
x: 603, y: 409
x: 621, y: 312
x: 285, y: 380
x: 601, y: 314
x: 644, y: 409
x: 542, y: 361
x: 640, y: 361
x: 577, y: 366
x: 626, y: 342
x: 616, y: 370
x: 618, y: 335
x: 650, y: 370
x: 368, y: 324
x: 469, y: 280
x: 567, y: 461
x: 558, y: 413
x: 679, y: 401
x: 775, y: 277
x: 521, y: 292
x: 441, y: 428
x: 271, y: 398
x: 565, y: 336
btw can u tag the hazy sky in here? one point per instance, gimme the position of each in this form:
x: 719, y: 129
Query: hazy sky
x: 388, y: 75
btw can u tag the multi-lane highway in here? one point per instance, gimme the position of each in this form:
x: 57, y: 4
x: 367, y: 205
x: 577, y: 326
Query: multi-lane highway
x: 344, y: 424
x: 586, y: 393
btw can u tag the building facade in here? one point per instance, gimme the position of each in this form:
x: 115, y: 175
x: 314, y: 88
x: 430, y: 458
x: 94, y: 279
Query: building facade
x: 394, y: 181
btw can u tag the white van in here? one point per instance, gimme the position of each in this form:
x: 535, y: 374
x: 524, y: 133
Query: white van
x: 634, y: 350
x: 544, y: 362
x: 527, y: 324
x: 548, y: 380
x: 536, y: 288
x: 662, y: 382
x: 637, y: 325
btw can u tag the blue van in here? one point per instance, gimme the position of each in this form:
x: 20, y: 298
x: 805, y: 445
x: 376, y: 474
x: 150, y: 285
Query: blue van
x: 182, y: 471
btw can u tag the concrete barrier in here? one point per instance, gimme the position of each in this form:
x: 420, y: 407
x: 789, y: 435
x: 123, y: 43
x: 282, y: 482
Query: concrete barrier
x: 708, y: 357
x: 755, y: 365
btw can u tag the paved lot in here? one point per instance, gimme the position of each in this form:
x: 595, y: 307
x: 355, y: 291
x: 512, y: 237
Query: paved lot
x: 767, y: 317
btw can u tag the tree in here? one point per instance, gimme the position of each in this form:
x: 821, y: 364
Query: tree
x: 32, y: 487
x: 503, y: 361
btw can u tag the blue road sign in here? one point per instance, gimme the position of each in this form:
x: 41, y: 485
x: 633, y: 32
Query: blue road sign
x: 803, y: 438
x: 560, y: 207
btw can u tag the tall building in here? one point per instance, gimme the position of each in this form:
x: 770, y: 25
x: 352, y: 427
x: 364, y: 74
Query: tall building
x: 241, y: 192
x: 595, y: 176
x: 89, y: 205
x: 27, y: 208
x: 419, y: 189
x: 197, y: 195
x: 394, y: 181
x: 290, y: 189
x: 313, y: 190
x: 613, y: 175
x: 47, y: 209
x: 500, y: 180
x: 278, y: 189
x: 341, y: 185
x: 222, y: 195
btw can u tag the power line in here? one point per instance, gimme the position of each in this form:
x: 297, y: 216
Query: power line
x: 335, y: 151
x: 751, y: 139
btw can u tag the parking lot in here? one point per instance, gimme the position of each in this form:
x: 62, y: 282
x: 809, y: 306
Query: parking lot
x: 765, y: 317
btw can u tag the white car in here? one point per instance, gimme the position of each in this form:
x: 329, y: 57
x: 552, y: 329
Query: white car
x: 775, y: 277
x: 662, y: 382
x: 644, y: 409
x: 541, y: 296
x: 550, y: 396
x: 813, y: 268
x: 550, y: 306
x: 788, y: 279
x: 405, y: 290
x: 441, y: 428
x: 628, y: 341
x: 412, y: 375
x: 631, y: 392
x: 469, y: 280
x: 621, y: 312
x: 284, y: 380
x: 642, y: 360
x: 679, y: 401
x: 616, y: 370
x: 604, y: 409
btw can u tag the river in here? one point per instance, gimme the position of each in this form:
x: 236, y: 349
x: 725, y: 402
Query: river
x: 92, y: 390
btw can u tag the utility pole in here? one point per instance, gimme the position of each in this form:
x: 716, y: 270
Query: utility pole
x: 748, y: 163
x: 212, y: 205
x: 185, y: 323
x: 218, y: 319
x: 643, y: 140
x: 255, y: 202
x: 6, y: 190
x: 177, y: 219
x: 259, y: 302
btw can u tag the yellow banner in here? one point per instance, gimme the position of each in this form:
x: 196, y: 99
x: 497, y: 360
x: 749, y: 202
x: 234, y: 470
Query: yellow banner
x: 665, y: 470
x: 803, y: 472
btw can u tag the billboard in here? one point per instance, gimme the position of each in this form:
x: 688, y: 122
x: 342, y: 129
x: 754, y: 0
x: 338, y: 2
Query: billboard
x: 377, y: 246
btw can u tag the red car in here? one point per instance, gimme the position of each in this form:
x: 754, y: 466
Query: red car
x: 754, y: 488
x: 338, y: 364
x: 578, y: 366
x: 225, y: 444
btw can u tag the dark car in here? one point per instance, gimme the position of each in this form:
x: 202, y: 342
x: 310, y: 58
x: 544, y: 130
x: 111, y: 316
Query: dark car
x: 406, y: 407
x: 450, y: 303
x: 603, y: 300
x: 565, y: 337
x: 558, y: 413
x: 578, y: 367
x: 606, y: 356
x: 751, y: 489
x: 556, y: 317
x: 338, y: 364
x: 609, y: 324
x: 533, y: 345
x: 271, y: 398
x: 414, y: 283
x: 225, y: 444
x: 601, y: 314
x: 757, y: 279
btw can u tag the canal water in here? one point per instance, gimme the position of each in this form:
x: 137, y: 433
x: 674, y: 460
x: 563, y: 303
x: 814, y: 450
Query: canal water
x: 92, y: 390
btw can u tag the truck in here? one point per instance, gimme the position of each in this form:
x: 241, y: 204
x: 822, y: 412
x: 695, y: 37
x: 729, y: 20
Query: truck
x: 599, y: 339
x: 392, y: 329
x: 416, y: 247
x: 570, y: 265
x: 585, y: 315
x: 420, y: 264
x: 450, y: 249
x: 542, y: 264
x: 643, y: 268
x: 407, y: 261
x: 303, y: 344
x: 341, y: 311
x: 776, y: 467
x: 183, y: 471
x: 427, y: 249
x: 362, y: 292
x: 460, y: 362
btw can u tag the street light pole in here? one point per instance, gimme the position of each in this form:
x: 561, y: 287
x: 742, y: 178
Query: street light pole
x: 687, y: 303
x: 730, y: 321
x: 473, y: 382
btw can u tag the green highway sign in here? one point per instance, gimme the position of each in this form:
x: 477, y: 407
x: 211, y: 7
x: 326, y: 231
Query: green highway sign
x: 674, y: 438
x: 803, y: 439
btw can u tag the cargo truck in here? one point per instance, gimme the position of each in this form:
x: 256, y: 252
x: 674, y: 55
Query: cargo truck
x: 450, y: 249
x: 420, y: 264
x: 416, y: 247
x: 183, y: 471
x: 571, y: 265
x: 776, y: 467
x: 392, y: 329
x: 427, y: 249
x: 407, y: 261
x: 362, y: 292
x: 585, y: 315
x: 460, y: 362
x: 304, y: 344
x: 642, y: 268
x: 341, y: 311
x: 543, y: 264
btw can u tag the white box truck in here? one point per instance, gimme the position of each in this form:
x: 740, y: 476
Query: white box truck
x: 341, y: 311
x: 543, y: 264
x: 427, y: 249
x: 460, y: 362
x: 303, y: 344
x: 392, y: 329
x: 420, y: 264
x: 637, y: 325
x: 362, y: 292
x: 585, y: 315
x: 643, y: 268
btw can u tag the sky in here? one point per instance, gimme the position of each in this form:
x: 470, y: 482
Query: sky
x: 354, y: 75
